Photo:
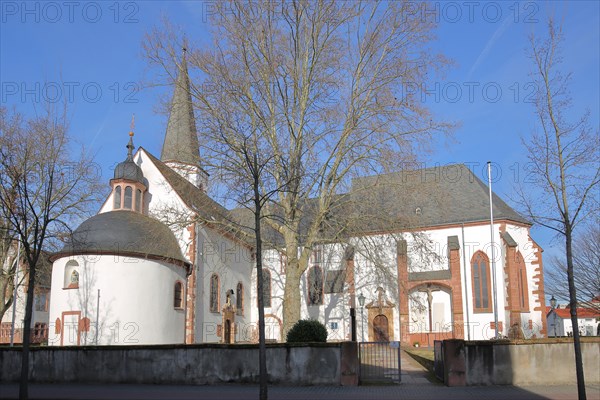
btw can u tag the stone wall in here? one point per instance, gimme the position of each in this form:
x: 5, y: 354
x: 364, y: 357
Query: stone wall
x: 315, y: 364
x: 536, y: 362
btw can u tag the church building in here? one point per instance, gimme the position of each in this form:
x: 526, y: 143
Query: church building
x: 162, y: 263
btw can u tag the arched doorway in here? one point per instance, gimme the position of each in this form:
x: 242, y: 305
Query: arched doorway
x: 381, y: 330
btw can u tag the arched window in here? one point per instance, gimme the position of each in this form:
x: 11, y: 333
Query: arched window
x: 214, y: 293
x: 522, y: 287
x: 315, y: 286
x: 266, y: 286
x: 239, y: 299
x: 138, y: 200
x: 71, y: 278
x: 127, y: 199
x: 117, y: 198
x: 480, y: 276
x: 178, y: 295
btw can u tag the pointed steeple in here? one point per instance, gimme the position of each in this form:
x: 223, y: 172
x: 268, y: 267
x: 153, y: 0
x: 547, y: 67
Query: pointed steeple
x: 181, y: 140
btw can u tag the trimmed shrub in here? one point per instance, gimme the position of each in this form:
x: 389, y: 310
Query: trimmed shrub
x: 306, y: 331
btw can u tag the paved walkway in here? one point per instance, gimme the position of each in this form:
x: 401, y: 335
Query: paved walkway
x: 231, y: 392
x: 413, y: 373
x: 415, y: 386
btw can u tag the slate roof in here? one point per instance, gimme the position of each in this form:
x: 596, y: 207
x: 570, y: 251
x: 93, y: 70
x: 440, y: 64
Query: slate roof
x: 199, y: 202
x: 427, y: 198
x: 416, y: 199
x: 123, y: 232
x: 181, y: 138
x: 404, y: 200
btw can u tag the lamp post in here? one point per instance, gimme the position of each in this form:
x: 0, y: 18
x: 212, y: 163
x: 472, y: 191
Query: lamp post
x: 361, y: 302
x: 553, y: 306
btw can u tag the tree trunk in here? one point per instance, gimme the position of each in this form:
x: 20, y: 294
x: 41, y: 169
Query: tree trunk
x: 292, y: 297
x: 262, y: 348
x: 24, y: 382
x: 574, y: 322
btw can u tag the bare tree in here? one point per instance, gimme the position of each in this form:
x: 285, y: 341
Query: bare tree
x: 565, y: 157
x: 43, y: 190
x: 586, y: 268
x: 324, y: 82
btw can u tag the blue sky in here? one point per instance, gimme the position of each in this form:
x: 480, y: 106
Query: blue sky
x: 91, y: 51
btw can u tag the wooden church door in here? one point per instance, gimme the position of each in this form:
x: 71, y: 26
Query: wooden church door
x: 381, y: 329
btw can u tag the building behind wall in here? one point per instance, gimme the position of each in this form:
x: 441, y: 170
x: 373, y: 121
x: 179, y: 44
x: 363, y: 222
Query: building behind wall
x: 41, y: 305
x: 415, y: 244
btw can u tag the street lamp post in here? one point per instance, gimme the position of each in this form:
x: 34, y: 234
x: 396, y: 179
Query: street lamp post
x: 361, y: 302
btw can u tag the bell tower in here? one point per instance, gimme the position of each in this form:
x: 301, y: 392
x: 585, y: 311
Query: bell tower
x: 181, y: 149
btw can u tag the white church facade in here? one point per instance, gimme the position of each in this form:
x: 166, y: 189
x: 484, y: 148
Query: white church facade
x: 161, y: 264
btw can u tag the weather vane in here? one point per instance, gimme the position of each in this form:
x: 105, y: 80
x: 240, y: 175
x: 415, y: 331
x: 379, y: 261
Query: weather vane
x: 132, y: 126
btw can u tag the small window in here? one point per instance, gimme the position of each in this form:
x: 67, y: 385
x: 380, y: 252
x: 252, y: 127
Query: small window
x: 41, y: 301
x: 128, y: 194
x: 239, y: 299
x: 178, y: 295
x: 315, y: 286
x: 214, y: 293
x: 117, y: 198
x: 138, y: 200
x: 40, y: 330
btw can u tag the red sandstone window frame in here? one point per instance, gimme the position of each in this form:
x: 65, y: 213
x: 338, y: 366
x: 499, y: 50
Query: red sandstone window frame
x: 478, y: 286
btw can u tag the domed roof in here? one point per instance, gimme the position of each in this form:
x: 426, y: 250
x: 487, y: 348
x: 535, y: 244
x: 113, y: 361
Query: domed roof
x: 128, y: 169
x: 124, y: 233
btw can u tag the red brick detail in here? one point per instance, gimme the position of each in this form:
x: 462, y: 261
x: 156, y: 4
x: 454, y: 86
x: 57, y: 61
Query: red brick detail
x: 84, y: 324
x: 190, y: 306
x: 538, y: 280
x: 500, y: 326
x: 511, y: 282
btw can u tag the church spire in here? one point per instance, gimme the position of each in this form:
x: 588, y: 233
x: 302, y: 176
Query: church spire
x: 181, y: 139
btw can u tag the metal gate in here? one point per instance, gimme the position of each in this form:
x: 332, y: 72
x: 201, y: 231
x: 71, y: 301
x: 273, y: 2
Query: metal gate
x: 379, y: 362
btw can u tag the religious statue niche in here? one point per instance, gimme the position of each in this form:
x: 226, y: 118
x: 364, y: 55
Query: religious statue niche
x: 228, y: 318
